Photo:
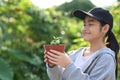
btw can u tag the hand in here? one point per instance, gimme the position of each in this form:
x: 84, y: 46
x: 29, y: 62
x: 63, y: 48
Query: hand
x: 47, y: 60
x: 58, y: 58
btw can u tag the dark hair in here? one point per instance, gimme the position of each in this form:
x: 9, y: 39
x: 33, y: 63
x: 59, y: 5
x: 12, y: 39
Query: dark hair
x: 111, y: 40
x: 112, y: 43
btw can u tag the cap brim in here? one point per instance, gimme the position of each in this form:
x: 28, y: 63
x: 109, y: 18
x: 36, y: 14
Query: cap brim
x: 81, y: 14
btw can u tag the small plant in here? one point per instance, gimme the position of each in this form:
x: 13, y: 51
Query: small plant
x: 55, y: 44
x: 56, y: 40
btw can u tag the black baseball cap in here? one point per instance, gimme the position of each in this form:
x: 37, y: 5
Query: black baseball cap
x: 98, y: 13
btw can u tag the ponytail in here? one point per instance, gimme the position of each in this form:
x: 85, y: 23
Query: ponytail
x: 112, y: 42
x: 113, y: 45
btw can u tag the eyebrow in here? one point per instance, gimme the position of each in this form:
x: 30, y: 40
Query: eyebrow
x: 90, y: 20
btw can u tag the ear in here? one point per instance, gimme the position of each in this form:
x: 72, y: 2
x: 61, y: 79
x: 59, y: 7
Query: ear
x: 105, y: 28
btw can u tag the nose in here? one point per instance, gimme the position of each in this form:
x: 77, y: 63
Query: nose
x: 85, y: 27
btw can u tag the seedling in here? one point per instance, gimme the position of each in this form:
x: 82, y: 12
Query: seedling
x: 56, y: 40
x: 55, y: 44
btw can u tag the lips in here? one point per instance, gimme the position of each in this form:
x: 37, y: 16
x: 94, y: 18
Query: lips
x: 85, y: 33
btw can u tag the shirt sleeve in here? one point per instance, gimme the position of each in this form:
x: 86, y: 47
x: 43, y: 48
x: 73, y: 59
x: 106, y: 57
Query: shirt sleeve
x: 54, y: 73
x: 104, y: 69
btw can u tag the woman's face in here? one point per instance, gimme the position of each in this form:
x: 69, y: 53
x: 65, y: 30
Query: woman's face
x: 92, y: 30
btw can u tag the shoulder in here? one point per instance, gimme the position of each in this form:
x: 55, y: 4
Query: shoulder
x: 103, y: 52
x: 107, y: 52
x: 104, y: 56
x: 107, y: 56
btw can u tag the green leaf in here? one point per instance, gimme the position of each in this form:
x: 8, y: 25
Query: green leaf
x: 56, y: 40
x: 6, y: 72
x: 35, y: 60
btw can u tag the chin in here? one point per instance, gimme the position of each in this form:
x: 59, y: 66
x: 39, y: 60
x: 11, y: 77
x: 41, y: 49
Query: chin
x: 86, y: 40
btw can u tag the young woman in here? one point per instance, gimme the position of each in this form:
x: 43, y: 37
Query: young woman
x: 96, y: 62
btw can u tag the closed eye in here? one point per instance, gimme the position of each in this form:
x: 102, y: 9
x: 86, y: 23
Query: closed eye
x: 90, y: 24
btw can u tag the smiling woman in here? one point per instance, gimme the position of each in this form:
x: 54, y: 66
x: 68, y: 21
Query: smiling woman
x: 48, y: 3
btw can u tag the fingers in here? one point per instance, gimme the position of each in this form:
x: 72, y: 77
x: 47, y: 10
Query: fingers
x: 56, y: 52
x: 45, y: 52
x: 52, y: 62
x: 52, y: 57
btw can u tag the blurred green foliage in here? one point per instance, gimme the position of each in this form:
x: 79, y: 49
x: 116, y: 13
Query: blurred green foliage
x: 75, y: 4
x: 24, y: 29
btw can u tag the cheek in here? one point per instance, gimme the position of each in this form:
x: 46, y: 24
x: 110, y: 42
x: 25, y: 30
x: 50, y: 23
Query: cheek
x: 95, y: 30
x: 95, y: 33
x: 91, y: 35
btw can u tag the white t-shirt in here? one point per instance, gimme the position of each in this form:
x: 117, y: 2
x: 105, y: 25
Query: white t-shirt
x: 81, y: 60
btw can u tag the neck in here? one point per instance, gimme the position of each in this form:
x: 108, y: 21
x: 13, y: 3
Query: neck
x: 94, y: 46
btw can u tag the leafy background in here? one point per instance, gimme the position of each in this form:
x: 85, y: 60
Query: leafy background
x: 24, y: 29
